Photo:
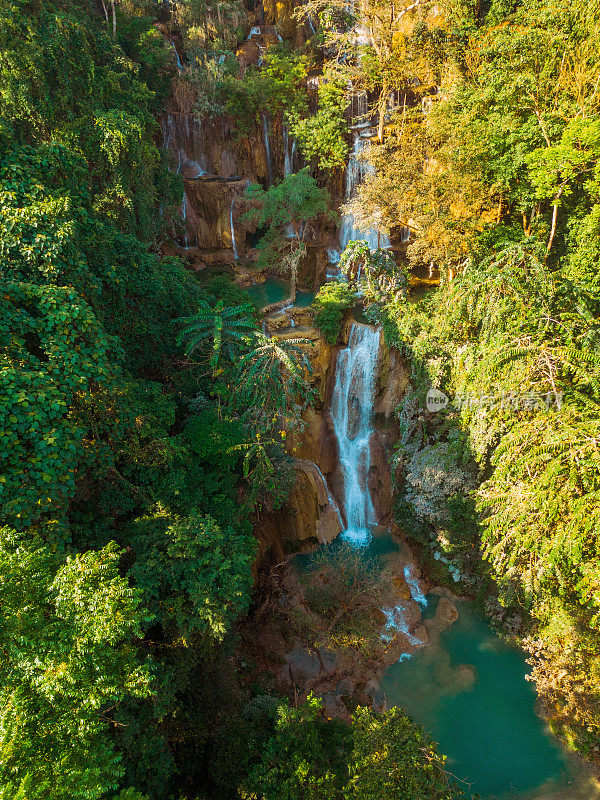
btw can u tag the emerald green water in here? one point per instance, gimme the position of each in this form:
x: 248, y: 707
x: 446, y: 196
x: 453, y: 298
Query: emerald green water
x: 469, y: 691
x: 274, y: 290
x: 467, y: 688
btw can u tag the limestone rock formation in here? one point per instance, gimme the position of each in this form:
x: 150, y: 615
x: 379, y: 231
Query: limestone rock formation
x: 310, y: 514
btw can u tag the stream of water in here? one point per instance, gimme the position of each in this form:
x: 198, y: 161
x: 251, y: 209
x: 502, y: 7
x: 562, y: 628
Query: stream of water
x: 351, y: 415
x: 467, y: 687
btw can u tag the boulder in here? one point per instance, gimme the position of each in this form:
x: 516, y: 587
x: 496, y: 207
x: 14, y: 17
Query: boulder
x: 446, y: 612
x: 277, y: 321
x: 310, y: 514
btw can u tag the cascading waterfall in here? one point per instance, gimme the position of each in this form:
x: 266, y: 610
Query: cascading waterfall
x: 184, y: 203
x: 351, y: 412
x: 416, y: 592
x: 233, y: 244
x: 177, y: 58
x: 355, y: 174
x: 352, y: 421
x: 267, y: 149
x: 333, y: 265
x: 289, y: 151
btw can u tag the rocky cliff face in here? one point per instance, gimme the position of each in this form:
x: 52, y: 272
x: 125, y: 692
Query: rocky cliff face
x: 310, y: 516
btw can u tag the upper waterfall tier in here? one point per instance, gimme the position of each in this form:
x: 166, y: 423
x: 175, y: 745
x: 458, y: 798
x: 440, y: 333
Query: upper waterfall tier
x: 351, y: 411
x: 357, y: 170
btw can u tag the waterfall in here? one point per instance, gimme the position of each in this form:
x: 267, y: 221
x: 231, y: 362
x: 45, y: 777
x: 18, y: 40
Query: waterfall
x: 233, y: 245
x: 179, y: 64
x: 357, y: 169
x: 333, y: 268
x: 351, y: 412
x: 396, y: 623
x: 289, y: 150
x: 413, y: 584
x: 184, y: 203
x: 267, y: 149
x: 351, y: 415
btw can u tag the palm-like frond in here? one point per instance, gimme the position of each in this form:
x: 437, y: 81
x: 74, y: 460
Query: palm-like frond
x: 210, y: 329
x: 272, y: 379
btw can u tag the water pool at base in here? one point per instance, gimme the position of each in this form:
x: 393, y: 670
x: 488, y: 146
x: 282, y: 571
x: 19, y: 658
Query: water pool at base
x: 468, y: 689
x: 274, y: 290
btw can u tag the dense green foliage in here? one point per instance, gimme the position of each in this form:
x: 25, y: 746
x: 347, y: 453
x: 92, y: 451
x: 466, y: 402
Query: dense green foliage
x: 129, y: 473
x: 67, y: 655
x: 375, y: 756
x: 143, y: 412
x: 321, y: 136
x: 332, y: 300
x: 497, y: 177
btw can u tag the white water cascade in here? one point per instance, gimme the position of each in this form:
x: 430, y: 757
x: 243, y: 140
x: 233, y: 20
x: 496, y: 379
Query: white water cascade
x: 351, y: 411
x: 289, y: 151
x: 233, y: 244
x: 357, y: 169
x: 267, y: 149
x: 184, y: 203
x: 416, y: 592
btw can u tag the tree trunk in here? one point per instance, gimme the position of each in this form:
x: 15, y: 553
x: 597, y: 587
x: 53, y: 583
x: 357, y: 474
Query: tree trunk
x: 293, y: 279
x: 105, y: 9
x: 114, y: 18
x: 554, y: 220
x: 382, y: 110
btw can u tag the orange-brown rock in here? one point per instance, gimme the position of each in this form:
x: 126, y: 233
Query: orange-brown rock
x: 392, y: 380
x: 317, y: 441
x: 309, y: 515
x: 208, y: 210
x: 248, y: 53
x: 380, y: 479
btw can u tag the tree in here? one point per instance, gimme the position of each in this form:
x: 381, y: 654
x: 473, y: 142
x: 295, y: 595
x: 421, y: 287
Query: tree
x: 272, y: 383
x: 376, y: 275
x: 321, y: 137
x: 299, y: 760
x: 219, y: 328
x: 287, y: 209
x: 68, y: 660
x: 194, y: 575
x: 393, y: 759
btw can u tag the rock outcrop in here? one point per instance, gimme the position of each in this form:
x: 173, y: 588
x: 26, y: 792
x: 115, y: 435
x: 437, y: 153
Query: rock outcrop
x: 310, y: 515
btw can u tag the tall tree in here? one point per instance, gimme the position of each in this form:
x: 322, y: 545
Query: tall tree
x: 287, y: 209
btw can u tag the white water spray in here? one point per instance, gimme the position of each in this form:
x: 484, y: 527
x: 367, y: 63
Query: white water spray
x: 357, y: 169
x: 413, y: 584
x: 184, y: 203
x: 233, y: 245
x: 396, y: 623
x: 289, y: 151
x: 267, y: 149
x: 351, y: 411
